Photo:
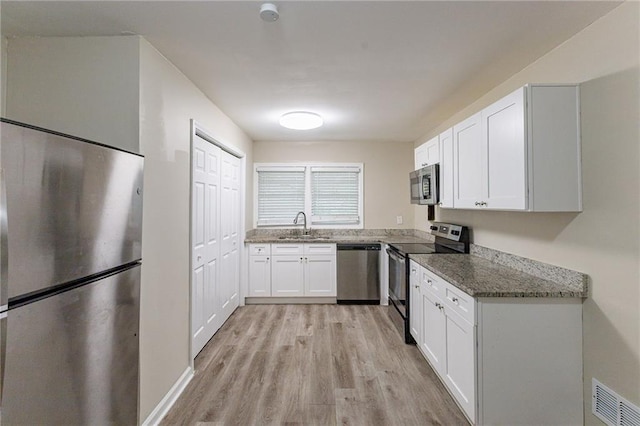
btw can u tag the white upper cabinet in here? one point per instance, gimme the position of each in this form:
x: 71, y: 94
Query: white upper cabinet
x: 521, y: 153
x: 467, y: 153
x: 428, y: 153
x: 446, y: 169
x: 420, y: 157
x: 503, y: 157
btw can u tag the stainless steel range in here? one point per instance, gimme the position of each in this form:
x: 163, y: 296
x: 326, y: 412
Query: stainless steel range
x: 449, y: 239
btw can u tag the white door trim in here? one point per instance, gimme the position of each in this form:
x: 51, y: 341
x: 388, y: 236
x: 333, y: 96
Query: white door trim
x: 198, y: 130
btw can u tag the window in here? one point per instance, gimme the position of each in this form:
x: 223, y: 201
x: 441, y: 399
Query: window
x: 329, y: 194
x: 281, y: 194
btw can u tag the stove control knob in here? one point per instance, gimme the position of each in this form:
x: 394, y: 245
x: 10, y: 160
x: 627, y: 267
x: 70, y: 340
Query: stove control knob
x: 454, y: 232
x: 433, y: 228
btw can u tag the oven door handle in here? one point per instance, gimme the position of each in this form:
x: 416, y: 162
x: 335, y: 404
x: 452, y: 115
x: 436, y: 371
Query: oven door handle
x: 396, y: 256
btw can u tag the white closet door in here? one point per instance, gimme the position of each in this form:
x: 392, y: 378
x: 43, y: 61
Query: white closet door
x: 230, y: 244
x: 205, y: 311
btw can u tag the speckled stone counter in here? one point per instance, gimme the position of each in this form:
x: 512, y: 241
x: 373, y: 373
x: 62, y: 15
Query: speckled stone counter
x: 480, y: 277
x: 387, y: 236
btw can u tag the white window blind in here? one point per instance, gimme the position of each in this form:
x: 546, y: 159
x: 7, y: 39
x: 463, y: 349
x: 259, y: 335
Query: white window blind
x: 335, y: 195
x: 281, y: 194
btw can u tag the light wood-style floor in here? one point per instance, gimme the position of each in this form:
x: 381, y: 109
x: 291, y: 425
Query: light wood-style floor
x: 316, y: 365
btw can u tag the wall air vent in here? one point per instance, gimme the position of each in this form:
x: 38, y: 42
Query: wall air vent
x: 611, y: 408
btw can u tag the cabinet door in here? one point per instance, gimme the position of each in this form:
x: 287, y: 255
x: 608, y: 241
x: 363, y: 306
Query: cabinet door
x: 433, y: 330
x: 446, y: 169
x: 415, y: 313
x: 320, y: 275
x: 259, y: 276
x: 504, y: 153
x: 433, y: 151
x: 459, y: 365
x: 287, y: 276
x: 420, y: 156
x: 467, y: 155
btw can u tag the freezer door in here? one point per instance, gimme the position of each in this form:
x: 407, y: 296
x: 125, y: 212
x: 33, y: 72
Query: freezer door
x: 72, y: 358
x: 73, y: 208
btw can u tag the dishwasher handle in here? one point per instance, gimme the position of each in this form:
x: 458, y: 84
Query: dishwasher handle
x: 354, y: 247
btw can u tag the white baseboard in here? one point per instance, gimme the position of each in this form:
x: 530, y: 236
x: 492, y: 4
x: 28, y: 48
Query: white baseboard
x: 169, y: 399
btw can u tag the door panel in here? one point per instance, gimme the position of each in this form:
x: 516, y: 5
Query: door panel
x: 287, y: 276
x: 446, y: 169
x: 460, y: 361
x: 433, y: 330
x: 320, y: 275
x: 230, y: 223
x: 467, y: 151
x: 259, y: 276
x: 74, y: 208
x: 504, y: 157
x: 206, y: 242
x: 72, y: 358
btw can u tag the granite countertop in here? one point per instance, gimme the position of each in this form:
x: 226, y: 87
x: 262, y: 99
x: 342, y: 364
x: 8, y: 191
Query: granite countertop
x: 480, y: 277
x: 387, y: 239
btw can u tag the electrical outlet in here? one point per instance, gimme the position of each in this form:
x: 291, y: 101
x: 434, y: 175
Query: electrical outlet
x: 399, y: 220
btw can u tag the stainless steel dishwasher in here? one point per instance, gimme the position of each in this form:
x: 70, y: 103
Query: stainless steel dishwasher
x: 359, y: 274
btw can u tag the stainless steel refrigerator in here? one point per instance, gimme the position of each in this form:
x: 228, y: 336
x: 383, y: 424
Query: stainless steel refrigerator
x: 71, y: 221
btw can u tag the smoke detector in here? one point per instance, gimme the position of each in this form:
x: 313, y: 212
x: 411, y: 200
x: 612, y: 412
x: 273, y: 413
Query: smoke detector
x: 269, y: 12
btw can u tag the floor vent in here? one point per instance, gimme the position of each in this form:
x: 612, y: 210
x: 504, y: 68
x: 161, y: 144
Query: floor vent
x: 611, y: 408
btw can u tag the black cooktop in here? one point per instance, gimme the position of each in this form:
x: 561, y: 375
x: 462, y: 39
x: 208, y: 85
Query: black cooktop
x: 414, y: 248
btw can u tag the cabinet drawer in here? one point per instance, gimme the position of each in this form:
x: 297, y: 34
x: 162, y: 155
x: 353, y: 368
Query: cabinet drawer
x: 431, y: 282
x: 460, y: 302
x: 286, y: 248
x: 259, y: 249
x: 317, y: 248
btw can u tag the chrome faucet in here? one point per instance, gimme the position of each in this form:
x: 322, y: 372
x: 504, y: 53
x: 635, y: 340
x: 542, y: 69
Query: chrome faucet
x: 295, y: 222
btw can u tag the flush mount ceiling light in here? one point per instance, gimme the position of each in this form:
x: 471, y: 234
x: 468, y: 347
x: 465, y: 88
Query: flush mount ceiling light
x: 301, y: 120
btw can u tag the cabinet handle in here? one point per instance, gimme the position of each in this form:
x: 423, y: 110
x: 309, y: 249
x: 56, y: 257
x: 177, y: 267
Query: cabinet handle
x: 267, y: 259
x: 300, y: 260
x: 441, y: 308
x: 454, y: 300
x: 438, y: 305
x: 416, y: 286
x: 413, y: 270
x: 429, y: 281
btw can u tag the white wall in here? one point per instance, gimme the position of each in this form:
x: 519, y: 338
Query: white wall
x: 168, y: 101
x: 604, y: 240
x: 386, y: 176
x: 83, y: 86
x: 120, y: 91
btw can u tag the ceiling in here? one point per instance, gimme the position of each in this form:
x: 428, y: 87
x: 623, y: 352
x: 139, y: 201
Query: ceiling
x: 378, y: 71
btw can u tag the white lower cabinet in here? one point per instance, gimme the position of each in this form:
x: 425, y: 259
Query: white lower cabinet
x: 434, y: 333
x: 320, y: 275
x: 505, y: 360
x: 459, y: 363
x: 292, y: 270
x: 415, y: 311
x: 259, y: 276
x: 287, y: 276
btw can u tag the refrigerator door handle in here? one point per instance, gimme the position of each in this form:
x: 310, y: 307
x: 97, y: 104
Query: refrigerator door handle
x: 4, y: 245
x: 4, y: 293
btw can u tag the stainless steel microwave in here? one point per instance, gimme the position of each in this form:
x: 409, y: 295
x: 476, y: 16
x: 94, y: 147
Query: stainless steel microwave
x: 424, y: 185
